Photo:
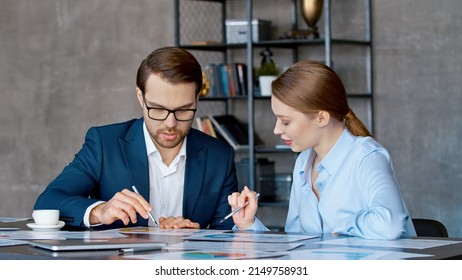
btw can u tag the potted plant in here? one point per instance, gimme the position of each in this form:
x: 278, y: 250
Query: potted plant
x: 267, y: 72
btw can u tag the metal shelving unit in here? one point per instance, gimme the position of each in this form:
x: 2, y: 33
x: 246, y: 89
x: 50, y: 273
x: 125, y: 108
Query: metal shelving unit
x: 222, y: 48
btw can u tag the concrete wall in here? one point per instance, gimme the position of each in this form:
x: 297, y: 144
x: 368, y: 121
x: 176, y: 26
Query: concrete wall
x: 418, y: 101
x: 67, y: 65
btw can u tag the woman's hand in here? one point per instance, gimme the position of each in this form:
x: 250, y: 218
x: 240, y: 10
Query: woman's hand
x: 246, y: 216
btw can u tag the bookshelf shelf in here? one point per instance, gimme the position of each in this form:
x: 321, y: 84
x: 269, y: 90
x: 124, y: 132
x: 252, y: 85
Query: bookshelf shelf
x: 264, y: 150
x: 281, y: 43
x: 222, y: 98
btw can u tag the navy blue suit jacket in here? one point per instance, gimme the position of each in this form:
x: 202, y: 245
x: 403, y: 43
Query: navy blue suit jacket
x: 114, y: 158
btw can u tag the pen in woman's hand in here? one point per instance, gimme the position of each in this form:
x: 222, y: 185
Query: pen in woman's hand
x: 237, y: 209
x: 149, y: 213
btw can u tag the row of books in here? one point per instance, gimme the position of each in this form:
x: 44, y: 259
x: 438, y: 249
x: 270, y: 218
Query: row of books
x: 225, y: 127
x: 226, y: 79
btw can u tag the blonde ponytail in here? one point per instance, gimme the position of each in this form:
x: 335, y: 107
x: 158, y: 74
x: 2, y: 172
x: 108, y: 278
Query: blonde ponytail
x: 355, y: 125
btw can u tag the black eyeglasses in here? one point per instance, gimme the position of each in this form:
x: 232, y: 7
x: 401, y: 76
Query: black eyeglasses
x: 161, y: 114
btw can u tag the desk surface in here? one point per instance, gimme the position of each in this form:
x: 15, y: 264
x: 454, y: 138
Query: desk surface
x: 23, y: 252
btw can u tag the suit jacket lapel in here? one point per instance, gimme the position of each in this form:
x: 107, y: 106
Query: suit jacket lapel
x: 135, y: 156
x: 196, y: 155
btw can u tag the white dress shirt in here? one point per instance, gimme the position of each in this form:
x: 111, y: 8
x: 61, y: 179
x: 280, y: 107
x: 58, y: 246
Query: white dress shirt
x: 165, y: 182
x: 359, y: 193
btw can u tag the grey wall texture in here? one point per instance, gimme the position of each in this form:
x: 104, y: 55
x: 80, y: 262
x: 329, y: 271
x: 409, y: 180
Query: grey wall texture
x: 67, y: 65
x: 418, y: 102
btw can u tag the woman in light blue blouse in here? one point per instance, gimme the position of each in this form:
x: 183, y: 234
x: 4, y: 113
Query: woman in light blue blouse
x: 343, y: 180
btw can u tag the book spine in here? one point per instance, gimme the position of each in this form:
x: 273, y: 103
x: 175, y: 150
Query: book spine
x: 209, y: 69
x: 242, y: 77
x: 224, y: 79
x: 217, y: 78
x: 208, y: 123
x: 198, y: 123
x: 232, y: 79
x: 223, y: 133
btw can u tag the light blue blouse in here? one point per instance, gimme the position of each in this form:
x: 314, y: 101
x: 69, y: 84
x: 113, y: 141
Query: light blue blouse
x: 359, y: 194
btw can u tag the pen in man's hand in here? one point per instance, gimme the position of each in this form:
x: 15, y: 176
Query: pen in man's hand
x: 149, y: 213
x: 237, y: 209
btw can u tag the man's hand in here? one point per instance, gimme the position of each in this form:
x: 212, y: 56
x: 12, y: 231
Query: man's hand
x: 122, y: 206
x: 177, y: 222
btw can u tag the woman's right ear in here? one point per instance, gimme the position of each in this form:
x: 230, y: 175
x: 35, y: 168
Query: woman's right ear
x: 323, y: 118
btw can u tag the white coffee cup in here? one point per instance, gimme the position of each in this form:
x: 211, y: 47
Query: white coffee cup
x: 46, y: 217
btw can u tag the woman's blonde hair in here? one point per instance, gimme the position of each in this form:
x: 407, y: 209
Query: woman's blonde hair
x: 311, y: 86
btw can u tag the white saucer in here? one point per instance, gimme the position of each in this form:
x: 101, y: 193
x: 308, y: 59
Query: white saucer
x: 58, y: 226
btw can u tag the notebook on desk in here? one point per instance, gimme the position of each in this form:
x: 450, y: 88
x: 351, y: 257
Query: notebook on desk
x: 97, y: 244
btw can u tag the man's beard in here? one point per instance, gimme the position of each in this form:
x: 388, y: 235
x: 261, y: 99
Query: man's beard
x: 170, y: 144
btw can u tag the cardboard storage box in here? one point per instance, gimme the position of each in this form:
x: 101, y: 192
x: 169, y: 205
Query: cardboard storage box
x: 236, y: 30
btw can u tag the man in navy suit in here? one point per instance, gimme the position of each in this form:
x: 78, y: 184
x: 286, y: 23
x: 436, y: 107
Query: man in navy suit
x: 183, y: 175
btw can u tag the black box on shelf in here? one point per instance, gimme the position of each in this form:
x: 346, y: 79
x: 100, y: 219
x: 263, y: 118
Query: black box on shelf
x: 282, y: 185
x: 264, y: 177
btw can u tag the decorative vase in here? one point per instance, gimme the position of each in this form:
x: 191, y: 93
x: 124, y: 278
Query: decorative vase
x: 265, y: 84
x: 311, y: 11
